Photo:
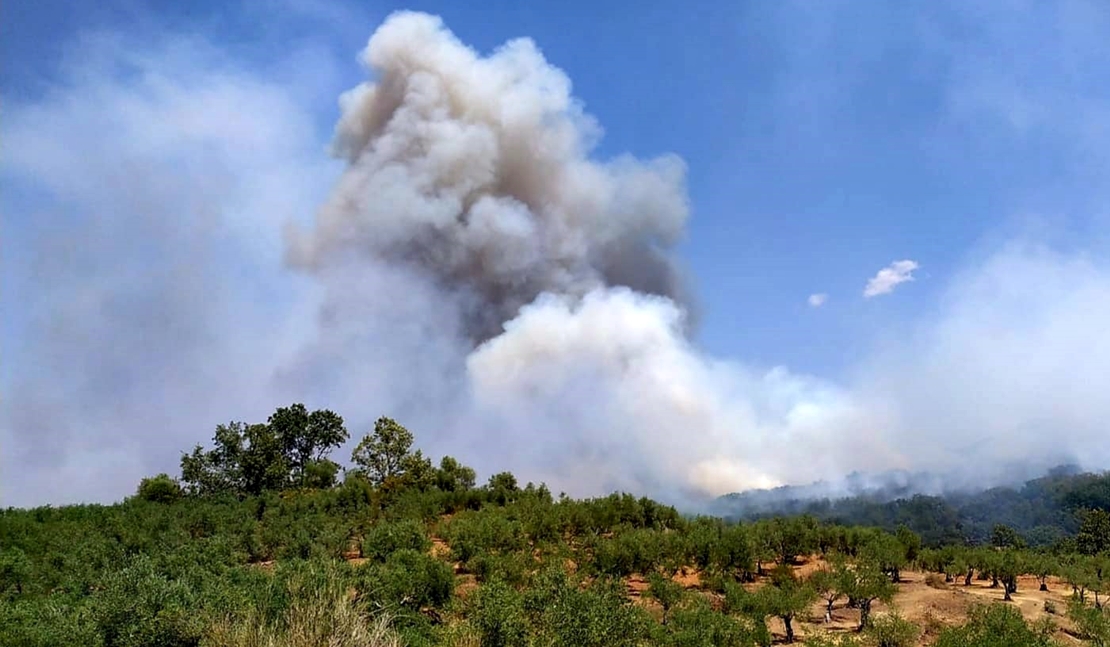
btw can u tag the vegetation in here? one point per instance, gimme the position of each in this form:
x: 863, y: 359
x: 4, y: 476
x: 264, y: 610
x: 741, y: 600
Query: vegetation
x: 260, y: 542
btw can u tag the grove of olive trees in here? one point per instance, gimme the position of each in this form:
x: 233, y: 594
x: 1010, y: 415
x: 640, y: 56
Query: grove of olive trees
x: 264, y: 540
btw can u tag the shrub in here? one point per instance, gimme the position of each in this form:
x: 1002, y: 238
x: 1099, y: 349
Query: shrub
x: 408, y: 580
x: 892, y: 630
x: 499, y: 616
x: 1091, y: 623
x: 47, y: 624
x: 141, y: 608
x: 386, y: 538
x: 935, y: 581
x: 159, y: 489
x: 698, y: 625
x: 996, y: 625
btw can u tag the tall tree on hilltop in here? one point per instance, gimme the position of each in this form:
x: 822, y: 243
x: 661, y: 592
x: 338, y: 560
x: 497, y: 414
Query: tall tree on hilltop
x: 381, y: 454
x: 306, y: 437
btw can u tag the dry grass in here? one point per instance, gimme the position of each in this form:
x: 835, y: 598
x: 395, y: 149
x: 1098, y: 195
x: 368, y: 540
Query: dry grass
x: 324, y: 620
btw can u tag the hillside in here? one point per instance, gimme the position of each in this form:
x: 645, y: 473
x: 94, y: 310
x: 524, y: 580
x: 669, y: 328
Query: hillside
x: 250, y: 547
x: 1042, y: 510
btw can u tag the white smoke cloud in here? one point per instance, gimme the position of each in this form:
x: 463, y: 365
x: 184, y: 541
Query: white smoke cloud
x: 889, y: 278
x: 469, y: 179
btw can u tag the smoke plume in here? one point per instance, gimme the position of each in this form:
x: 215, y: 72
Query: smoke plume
x: 552, y: 315
x: 474, y: 173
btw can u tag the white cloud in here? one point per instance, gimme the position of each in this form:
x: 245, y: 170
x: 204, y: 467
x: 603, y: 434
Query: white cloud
x: 889, y: 277
x: 817, y: 300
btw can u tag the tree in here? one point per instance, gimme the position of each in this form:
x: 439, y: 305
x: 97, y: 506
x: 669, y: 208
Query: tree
x: 159, y: 489
x: 785, y: 598
x: 1042, y: 566
x: 1009, y: 568
x: 262, y: 463
x: 732, y: 553
x: 1003, y: 536
x: 453, y: 476
x: 306, y: 437
x: 864, y: 582
x: 1094, y: 532
x: 15, y: 570
x: 381, y: 454
x: 825, y: 583
x: 911, y: 543
x: 206, y: 473
x: 789, y: 537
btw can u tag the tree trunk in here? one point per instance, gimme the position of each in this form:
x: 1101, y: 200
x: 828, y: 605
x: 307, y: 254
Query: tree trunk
x: 864, y: 614
x: 967, y: 579
x: 1044, y: 582
x: 787, y: 621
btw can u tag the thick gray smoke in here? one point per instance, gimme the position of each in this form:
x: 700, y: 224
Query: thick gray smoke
x: 486, y: 277
x: 474, y: 173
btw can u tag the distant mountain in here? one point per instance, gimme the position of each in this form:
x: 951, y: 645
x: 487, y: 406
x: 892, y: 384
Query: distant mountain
x: 1043, y: 510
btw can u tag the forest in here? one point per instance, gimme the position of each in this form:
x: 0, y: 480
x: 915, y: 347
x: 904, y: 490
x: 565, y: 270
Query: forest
x: 1044, y: 510
x: 264, y: 540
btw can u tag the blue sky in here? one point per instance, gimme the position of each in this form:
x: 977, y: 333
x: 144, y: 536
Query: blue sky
x: 824, y: 141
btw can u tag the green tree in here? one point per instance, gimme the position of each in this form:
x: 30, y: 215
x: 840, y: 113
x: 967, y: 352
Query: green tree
x: 381, y: 455
x: 262, y: 462
x: 15, y: 571
x: 827, y: 586
x: 1010, y: 566
x: 159, y: 489
x: 306, y: 437
x: 1094, y: 532
x: 217, y: 470
x: 453, y: 476
x: 785, y: 598
x: 1003, y: 536
x: 863, y: 583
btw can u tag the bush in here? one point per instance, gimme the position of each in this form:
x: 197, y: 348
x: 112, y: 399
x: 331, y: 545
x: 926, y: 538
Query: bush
x: 698, y: 625
x: 935, y: 581
x: 1091, y: 623
x: 499, y: 616
x: 47, y: 624
x: 892, y: 630
x: 159, y: 489
x: 996, y: 625
x: 386, y: 538
x: 408, y: 580
x: 141, y: 608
